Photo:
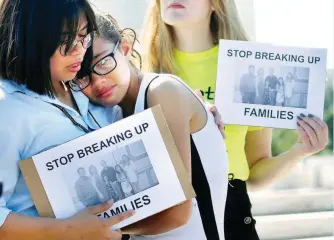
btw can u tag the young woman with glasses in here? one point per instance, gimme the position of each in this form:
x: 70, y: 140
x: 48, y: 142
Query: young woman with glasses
x: 114, y: 79
x: 42, y: 46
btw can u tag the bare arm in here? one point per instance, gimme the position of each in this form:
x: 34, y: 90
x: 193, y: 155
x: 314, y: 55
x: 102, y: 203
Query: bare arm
x: 18, y: 226
x: 180, y: 108
x: 265, y: 169
x: 83, y: 226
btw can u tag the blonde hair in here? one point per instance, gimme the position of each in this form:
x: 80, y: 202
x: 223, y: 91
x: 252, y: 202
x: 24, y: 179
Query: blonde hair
x: 158, y: 37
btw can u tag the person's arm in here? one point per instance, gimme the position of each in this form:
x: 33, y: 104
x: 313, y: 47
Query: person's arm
x: 180, y: 111
x: 18, y: 226
x: 265, y: 169
x: 13, y: 226
x: 85, y: 225
x: 213, y: 109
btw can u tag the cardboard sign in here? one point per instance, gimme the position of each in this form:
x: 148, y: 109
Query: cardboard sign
x: 134, y: 161
x: 266, y: 85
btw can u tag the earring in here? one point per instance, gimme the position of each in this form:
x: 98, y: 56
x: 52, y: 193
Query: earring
x: 64, y: 85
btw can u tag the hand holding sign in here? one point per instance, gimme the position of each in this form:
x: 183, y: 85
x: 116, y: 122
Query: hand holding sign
x: 313, y: 135
x: 70, y: 163
x: 213, y: 109
x: 86, y: 225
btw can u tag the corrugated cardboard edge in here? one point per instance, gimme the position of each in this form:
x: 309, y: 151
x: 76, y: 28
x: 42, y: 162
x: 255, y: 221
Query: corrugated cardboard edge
x: 36, y: 188
x: 173, y: 152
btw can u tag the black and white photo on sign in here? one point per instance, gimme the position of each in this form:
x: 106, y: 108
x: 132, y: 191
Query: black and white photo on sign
x: 123, y: 172
x: 261, y: 84
x: 285, y: 86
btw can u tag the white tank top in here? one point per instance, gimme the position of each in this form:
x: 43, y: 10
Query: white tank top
x: 209, y: 177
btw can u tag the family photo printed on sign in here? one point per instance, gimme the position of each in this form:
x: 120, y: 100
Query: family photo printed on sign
x: 121, y: 174
x: 275, y: 86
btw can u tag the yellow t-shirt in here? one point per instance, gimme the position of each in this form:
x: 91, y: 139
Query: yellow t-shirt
x: 199, y: 71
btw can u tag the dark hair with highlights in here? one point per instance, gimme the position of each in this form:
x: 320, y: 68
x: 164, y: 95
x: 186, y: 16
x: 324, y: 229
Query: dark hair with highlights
x: 30, y: 33
x: 109, y: 30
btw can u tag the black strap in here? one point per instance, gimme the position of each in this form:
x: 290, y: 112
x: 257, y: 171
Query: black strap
x: 146, y: 90
x: 203, y: 195
x: 61, y: 108
x: 126, y: 236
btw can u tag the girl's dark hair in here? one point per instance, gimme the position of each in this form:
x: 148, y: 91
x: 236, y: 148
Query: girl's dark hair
x: 109, y: 30
x: 30, y: 33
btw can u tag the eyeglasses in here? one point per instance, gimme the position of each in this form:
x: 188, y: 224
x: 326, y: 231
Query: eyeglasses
x: 103, y: 67
x: 86, y: 43
x: 107, y: 64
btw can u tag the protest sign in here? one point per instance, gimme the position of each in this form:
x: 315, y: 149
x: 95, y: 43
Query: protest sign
x: 261, y: 84
x: 134, y: 162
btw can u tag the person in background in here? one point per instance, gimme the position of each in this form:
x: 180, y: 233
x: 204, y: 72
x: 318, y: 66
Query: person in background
x: 272, y: 79
x: 98, y: 183
x: 247, y: 86
x: 289, y: 85
x: 113, y: 78
x: 280, y: 89
x: 181, y: 37
x: 266, y: 93
x: 125, y: 182
x: 110, y: 173
x: 260, y: 86
x: 85, y: 190
x: 111, y: 190
x: 131, y: 172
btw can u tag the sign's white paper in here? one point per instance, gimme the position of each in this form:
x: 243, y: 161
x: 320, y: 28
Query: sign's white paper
x: 82, y: 172
x: 261, y: 84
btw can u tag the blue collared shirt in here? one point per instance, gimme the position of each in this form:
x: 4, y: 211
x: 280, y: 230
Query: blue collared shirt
x: 29, y: 124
